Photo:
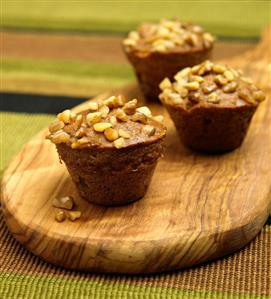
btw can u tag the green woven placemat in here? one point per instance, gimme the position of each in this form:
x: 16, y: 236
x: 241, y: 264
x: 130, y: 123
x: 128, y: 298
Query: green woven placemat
x: 245, y: 274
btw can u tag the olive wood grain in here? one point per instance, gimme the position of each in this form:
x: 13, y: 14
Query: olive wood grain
x: 198, y: 207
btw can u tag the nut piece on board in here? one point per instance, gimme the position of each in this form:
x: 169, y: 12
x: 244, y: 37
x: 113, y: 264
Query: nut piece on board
x: 73, y: 215
x: 60, y: 216
x: 63, y: 202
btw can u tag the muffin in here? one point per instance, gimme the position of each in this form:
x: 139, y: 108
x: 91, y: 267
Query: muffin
x: 211, y: 106
x: 110, y: 150
x: 159, y: 50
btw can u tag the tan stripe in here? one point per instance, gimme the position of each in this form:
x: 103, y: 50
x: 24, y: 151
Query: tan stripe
x: 86, y: 47
x: 62, y: 46
x: 247, y: 271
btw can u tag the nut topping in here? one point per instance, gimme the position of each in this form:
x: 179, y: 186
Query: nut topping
x: 211, y: 83
x: 167, y: 35
x: 110, y: 121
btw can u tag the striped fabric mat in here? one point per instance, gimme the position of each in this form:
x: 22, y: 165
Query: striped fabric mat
x: 56, y: 55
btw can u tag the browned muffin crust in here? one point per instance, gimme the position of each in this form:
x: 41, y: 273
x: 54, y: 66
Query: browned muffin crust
x: 110, y: 150
x: 160, y: 50
x: 211, y: 105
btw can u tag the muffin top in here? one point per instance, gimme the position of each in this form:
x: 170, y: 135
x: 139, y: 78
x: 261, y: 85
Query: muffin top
x: 210, y: 84
x: 168, y: 36
x: 109, y: 123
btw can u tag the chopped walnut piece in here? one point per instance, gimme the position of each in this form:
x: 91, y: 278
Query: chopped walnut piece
x: 101, y: 127
x: 130, y: 107
x: 79, y: 120
x: 124, y: 133
x: 56, y: 125
x: 81, y: 132
x: 66, y: 116
x: 60, y: 137
x: 218, y: 68
x: 65, y: 202
x: 208, y: 88
x: 104, y: 110
x: 60, y: 216
x: 148, y: 130
x: 213, y: 98
x: 144, y: 110
x: 165, y: 84
x: 73, y: 215
x: 219, y: 79
x: 258, y: 96
x: 228, y: 75
x: 93, y: 106
x: 93, y: 118
x: 121, y: 115
x: 114, y: 102
x: 158, y: 118
x: 119, y: 143
x: 111, y: 134
x: 139, y: 117
x: 230, y: 87
x: 192, y: 85
x: 113, y: 120
x: 176, y: 99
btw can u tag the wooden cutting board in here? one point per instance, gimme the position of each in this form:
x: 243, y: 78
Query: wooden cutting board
x: 198, y: 207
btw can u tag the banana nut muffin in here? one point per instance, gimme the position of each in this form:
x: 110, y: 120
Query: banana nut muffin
x: 211, y: 106
x: 110, y: 150
x: 159, y: 50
